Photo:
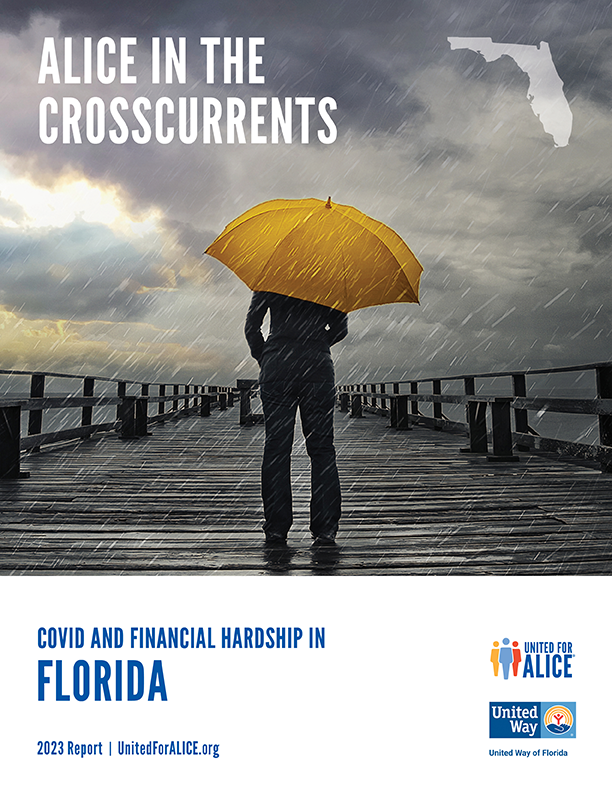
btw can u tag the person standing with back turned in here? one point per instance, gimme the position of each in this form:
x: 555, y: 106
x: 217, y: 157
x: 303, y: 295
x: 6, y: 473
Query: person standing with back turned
x: 297, y: 371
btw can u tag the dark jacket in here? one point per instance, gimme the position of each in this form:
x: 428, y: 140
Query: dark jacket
x: 294, y: 324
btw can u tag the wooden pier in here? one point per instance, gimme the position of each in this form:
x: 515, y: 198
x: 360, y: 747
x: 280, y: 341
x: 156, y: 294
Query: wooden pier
x: 186, y: 501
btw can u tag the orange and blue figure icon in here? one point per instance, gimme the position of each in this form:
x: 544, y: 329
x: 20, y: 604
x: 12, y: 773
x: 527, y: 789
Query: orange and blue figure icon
x: 506, y: 656
x: 495, y: 657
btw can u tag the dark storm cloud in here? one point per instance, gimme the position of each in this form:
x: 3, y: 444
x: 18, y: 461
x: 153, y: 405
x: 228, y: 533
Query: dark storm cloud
x: 442, y: 275
x: 583, y: 64
x: 578, y: 34
x: 193, y: 243
x: 528, y: 21
x: 590, y: 215
x: 142, y: 14
x: 369, y: 97
x: 41, y: 296
x: 584, y: 67
x: 79, y: 271
x: 441, y: 153
x: 360, y: 12
x: 327, y: 48
x: 363, y: 54
x: 82, y: 15
x: 414, y: 138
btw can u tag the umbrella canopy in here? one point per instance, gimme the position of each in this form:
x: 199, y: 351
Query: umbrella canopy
x: 326, y: 253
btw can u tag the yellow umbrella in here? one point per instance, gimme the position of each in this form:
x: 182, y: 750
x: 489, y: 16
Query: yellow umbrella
x: 326, y: 253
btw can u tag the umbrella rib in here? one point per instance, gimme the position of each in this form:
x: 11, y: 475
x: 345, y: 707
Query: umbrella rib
x: 345, y: 279
x: 383, y: 243
x: 242, y: 222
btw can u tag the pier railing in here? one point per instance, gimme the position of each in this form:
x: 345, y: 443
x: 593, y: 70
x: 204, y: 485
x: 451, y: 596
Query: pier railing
x: 497, y: 407
x: 126, y: 404
x: 501, y: 419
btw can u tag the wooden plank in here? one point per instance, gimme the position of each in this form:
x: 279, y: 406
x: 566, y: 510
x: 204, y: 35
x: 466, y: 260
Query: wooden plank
x: 187, y: 501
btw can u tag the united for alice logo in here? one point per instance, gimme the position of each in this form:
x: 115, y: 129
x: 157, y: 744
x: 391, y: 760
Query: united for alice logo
x: 537, y: 660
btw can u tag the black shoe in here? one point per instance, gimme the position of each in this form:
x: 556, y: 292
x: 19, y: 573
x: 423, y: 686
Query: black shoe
x: 277, y: 540
x: 323, y: 540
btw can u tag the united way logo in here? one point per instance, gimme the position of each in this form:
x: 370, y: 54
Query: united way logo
x: 506, y: 657
x: 529, y: 720
x: 558, y: 720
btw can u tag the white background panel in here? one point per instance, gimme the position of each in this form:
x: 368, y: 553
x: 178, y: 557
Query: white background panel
x: 398, y: 696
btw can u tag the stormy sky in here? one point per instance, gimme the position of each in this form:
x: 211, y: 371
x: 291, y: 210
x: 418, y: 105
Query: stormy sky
x: 101, y: 245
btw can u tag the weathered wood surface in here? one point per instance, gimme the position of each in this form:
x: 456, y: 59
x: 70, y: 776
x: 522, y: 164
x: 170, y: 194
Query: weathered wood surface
x: 186, y: 501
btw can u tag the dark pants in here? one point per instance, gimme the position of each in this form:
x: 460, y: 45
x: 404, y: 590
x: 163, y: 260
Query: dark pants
x: 289, y: 380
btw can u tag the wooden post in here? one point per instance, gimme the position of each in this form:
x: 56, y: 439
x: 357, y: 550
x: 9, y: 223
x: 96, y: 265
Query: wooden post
x: 502, y: 431
x: 604, y: 391
x: 403, y: 421
x: 356, y: 406
x: 245, y: 386
x: 127, y: 417
x: 141, y: 417
x: 437, y: 406
x: 230, y: 397
x: 87, y: 412
x: 10, y: 431
x: 414, y: 404
x: 373, y: 399
x: 344, y: 401
x: 161, y: 407
x: 37, y: 391
x: 222, y: 401
x: 142, y: 421
x: 476, y: 416
x: 175, y: 402
x: 187, y: 400
x: 383, y: 389
x: 205, y: 405
x: 521, y: 419
x: 245, y: 401
x: 393, y: 416
x: 121, y: 388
